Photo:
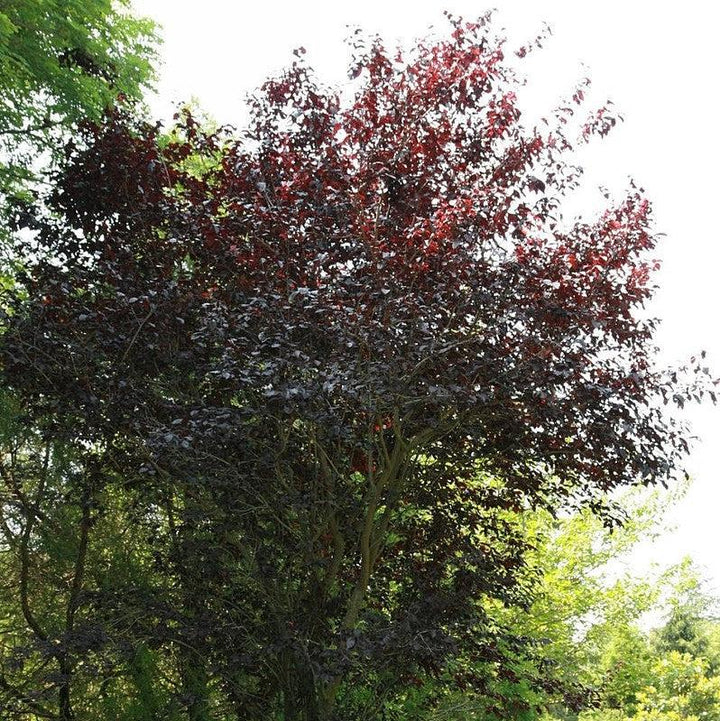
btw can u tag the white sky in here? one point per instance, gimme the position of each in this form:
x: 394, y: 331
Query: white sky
x: 659, y: 63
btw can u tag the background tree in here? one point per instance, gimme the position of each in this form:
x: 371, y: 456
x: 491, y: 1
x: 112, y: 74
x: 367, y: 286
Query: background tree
x: 617, y: 634
x: 60, y: 63
x: 319, y: 369
x: 607, y: 636
x: 691, y: 623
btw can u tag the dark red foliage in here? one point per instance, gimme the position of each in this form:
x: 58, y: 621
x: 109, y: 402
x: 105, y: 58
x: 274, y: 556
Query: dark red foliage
x: 353, y: 338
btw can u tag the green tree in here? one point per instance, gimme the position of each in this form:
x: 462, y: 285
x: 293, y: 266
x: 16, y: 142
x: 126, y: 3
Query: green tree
x: 585, y: 612
x: 594, y: 620
x: 62, y: 61
x: 691, y: 620
x: 681, y: 690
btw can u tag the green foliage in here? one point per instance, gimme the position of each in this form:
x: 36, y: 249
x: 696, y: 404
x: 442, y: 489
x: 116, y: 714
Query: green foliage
x: 62, y: 62
x: 690, y: 626
x: 681, y: 690
x: 595, y: 622
x: 586, y: 619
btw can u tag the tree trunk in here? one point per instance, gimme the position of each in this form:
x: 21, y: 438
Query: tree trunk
x: 65, y: 710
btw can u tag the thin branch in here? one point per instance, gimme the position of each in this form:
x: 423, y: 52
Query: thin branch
x: 25, y: 557
x: 136, y: 334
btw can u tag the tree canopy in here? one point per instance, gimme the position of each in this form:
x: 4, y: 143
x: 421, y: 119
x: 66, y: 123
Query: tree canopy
x: 278, y: 399
x: 61, y: 62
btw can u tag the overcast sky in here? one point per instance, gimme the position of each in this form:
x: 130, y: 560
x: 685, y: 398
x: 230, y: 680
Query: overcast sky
x: 658, y: 62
